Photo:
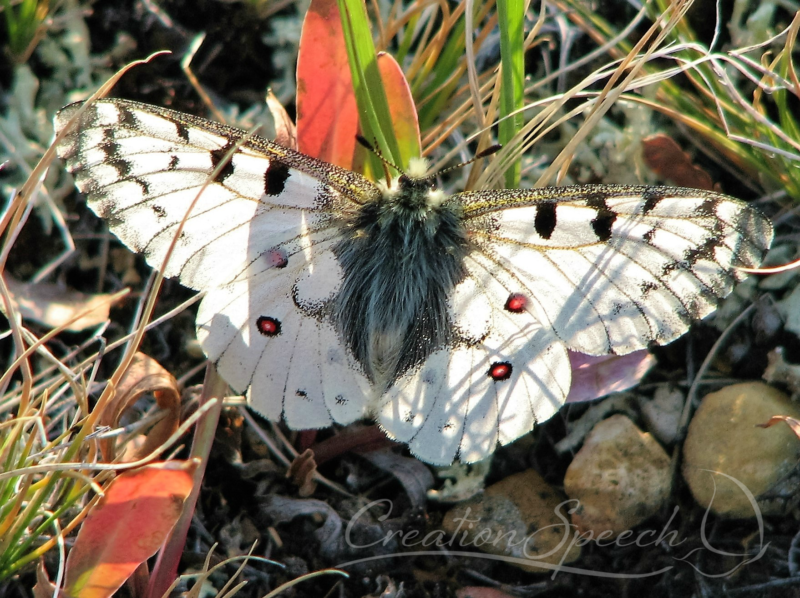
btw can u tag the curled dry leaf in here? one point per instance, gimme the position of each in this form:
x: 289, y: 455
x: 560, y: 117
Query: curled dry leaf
x: 145, y: 375
x: 415, y: 477
x: 54, y: 306
x: 794, y: 424
x: 666, y: 158
x: 285, y: 129
x: 301, y: 472
x: 356, y: 437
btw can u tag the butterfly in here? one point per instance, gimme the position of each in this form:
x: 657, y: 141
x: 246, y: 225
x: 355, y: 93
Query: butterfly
x: 446, y: 318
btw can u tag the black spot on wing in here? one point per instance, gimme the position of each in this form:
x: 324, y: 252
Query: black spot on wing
x: 143, y: 184
x: 705, y: 251
x: 122, y: 166
x: 602, y: 223
x: 173, y: 163
x: 708, y: 208
x: 182, y: 132
x: 109, y: 147
x: 217, y: 156
x: 275, y: 178
x: 545, y: 220
x: 159, y: 211
x: 647, y: 287
x: 127, y: 118
x: 652, y: 196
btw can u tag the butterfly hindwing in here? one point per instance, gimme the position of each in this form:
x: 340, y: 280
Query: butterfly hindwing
x: 614, y: 268
x: 504, y: 373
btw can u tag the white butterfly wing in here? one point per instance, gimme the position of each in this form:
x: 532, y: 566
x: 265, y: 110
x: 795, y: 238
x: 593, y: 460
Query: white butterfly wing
x: 614, y: 268
x: 257, y: 240
x: 264, y: 337
x: 505, y: 373
x: 142, y: 167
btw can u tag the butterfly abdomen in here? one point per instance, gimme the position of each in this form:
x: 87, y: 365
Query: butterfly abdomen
x: 401, y: 256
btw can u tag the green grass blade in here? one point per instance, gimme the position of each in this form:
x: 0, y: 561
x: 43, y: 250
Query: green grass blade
x: 373, y: 106
x: 511, y: 14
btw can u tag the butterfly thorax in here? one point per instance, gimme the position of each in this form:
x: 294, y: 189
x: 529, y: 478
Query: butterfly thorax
x: 402, y: 255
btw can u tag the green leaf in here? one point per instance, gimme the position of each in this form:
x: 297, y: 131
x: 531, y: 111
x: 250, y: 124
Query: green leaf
x: 511, y: 14
x: 373, y: 107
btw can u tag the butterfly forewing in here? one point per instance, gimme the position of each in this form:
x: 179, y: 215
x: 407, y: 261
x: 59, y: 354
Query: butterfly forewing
x: 614, y: 268
x: 143, y: 167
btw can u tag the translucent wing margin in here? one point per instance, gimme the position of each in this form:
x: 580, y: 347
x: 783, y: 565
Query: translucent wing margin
x: 614, y: 268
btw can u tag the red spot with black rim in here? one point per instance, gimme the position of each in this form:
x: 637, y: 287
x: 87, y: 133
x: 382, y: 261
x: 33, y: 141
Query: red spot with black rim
x: 276, y: 257
x: 516, y: 303
x: 500, y: 370
x: 268, y: 326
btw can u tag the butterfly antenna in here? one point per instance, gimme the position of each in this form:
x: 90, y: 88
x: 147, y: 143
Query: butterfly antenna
x: 386, y: 163
x: 492, y: 149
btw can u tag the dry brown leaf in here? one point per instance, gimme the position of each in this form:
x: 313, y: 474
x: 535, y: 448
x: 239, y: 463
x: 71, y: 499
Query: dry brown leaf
x: 53, y: 305
x: 285, y: 130
x: 44, y: 588
x: 145, y: 375
x: 302, y: 471
x: 666, y: 158
x: 793, y: 423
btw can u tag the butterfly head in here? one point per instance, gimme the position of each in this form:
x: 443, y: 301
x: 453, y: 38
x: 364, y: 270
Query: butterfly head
x: 415, y: 189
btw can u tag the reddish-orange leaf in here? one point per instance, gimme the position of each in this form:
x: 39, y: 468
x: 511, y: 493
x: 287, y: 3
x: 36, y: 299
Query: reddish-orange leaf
x: 790, y: 421
x: 401, y: 107
x: 327, y: 116
x: 127, y: 526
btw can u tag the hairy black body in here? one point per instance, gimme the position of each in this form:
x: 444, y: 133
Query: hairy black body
x: 402, y: 256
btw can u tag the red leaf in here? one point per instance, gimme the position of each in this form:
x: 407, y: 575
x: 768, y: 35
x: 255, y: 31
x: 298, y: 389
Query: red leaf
x: 327, y: 116
x: 127, y: 526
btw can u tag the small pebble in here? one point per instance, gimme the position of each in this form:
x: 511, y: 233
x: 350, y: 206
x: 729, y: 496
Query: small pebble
x: 662, y: 415
x: 518, y: 517
x: 621, y: 476
x: 723, y: 438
